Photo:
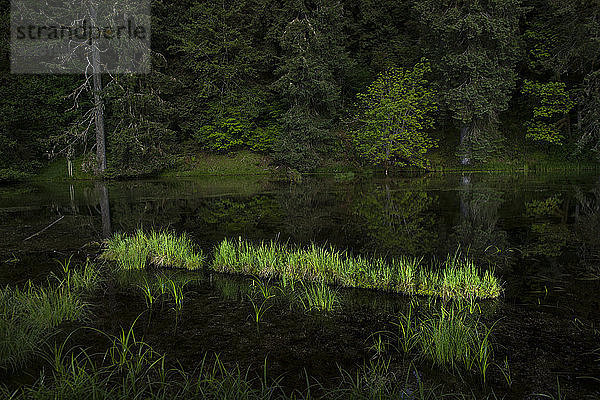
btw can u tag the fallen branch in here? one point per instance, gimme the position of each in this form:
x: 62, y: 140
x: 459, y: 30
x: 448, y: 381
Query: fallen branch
x: 35, y: 234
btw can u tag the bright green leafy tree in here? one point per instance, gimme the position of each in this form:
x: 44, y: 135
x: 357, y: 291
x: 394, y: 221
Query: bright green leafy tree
x: 395, y: 113
x: 552, y: 104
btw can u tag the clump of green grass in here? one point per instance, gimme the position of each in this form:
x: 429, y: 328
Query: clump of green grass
x: 163, y: 288
x: 455, y: 277
x: 458, y: 277
x: 319, y: 297
x: 161, y: 249
x: 28, y: 315
x: 86, y: 278
x: 449, y: 337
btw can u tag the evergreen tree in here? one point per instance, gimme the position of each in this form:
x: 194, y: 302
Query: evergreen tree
x: 225, y: 96
x: 474, y: 45
x: 312, y: 64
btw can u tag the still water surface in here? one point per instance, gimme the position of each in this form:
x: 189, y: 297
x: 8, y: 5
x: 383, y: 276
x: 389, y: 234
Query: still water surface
x: 541, y: 233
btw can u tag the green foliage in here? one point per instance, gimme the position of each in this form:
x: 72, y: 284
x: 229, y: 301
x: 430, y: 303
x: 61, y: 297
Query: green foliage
x: 34, y: 114
x: 10, y: 175
x: 449, y: 336
x: 229, y: 134
x: 474, y: 49
x: 217, y: 47
x: 29, y: 315
x: 395, y: 114
x: 455, y: 277
x: 139, y: 134
x: 161, y: 249
x: 223, y: 136
x: 551, y: 102
x: 276, y: 77
x: 224, y: 106
x: 313, y: 61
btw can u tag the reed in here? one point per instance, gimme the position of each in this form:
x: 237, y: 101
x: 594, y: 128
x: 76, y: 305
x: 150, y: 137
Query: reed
x: 163, y: 288
x: 449, y: 337
x: 28, y: 315
x: 149, y: 292
x: 160, y: 249
x: 455, y: 277
x: 175, y: 289
x: 259, y: 296
x: 86, y: 278
x: 319, y: 297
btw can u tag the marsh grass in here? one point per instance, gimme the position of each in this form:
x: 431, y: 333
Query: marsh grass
x: 318, y: 297
x: 149, y: 292
x: 449, y: 336
x: 175, y: 289
x: 131, y: 369
x: 379, y: 343
x: 162, y: 288
x: 29, y: 315
x: 260, y: 296
x: 161, y: 249
x: 455, y: 277
x: 86, y: 278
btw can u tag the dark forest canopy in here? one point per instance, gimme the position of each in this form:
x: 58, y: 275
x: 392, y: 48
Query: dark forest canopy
x: 299, y: 80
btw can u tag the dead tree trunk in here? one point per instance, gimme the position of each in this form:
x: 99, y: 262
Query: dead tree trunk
x: 98, y: 100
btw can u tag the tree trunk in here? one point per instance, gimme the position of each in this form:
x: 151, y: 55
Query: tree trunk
x: 98, y: 100
x: 464, y: 133
x: 99, y: 122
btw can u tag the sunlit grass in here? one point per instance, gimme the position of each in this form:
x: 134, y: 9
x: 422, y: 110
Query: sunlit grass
x: 455, y: 277
x: 318, y: 297
x: 86, y: 278
x: 449, y: 336
x: 27, y: 317
x: 162, y: 288
x: 161, y: 249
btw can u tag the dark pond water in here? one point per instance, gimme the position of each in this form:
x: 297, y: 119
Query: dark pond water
x: 541, y: 233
